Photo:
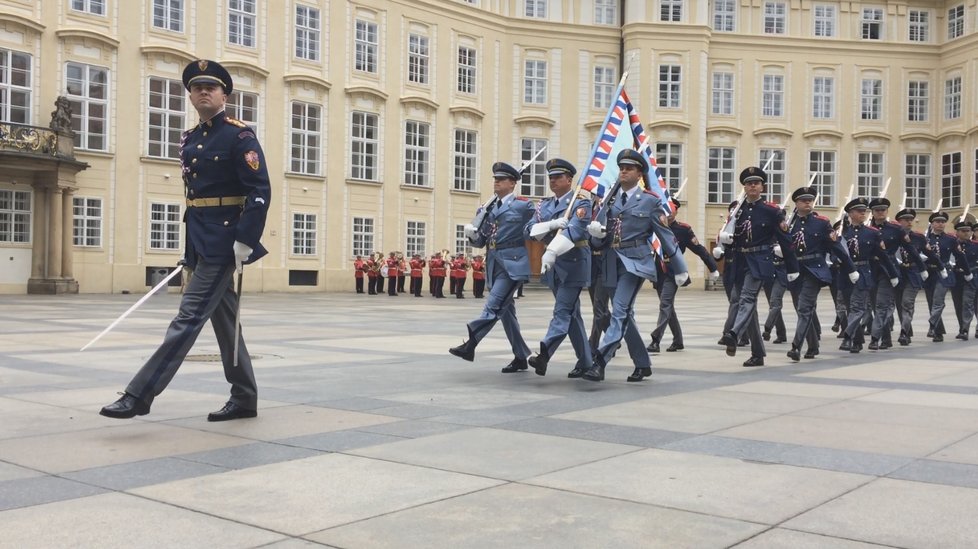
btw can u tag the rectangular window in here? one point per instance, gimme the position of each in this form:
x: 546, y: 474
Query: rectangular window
x: 872, y: 23
x: 168, y: 15
x: 772, y: 100
x: 919, y: 29
x: 307, y: 33
x: 417, y: 153
x: 462, y: 244
x: 365, y: 46
x: 415, y: 238
x: 164, y: 226
x: 88, y: 93
x: 303, y: 234
x: 167, y: 117
x: 86, y: 221
x: 869, y: 174
x: 720, y: 174
x: 243, y: 106
x: 918, y: 101
x: 955, y: 22
x: 363, y: 236
x: 418, y: 59
x: 823, y: 163
x: 951, y: 179
x: 241, y: 22
x: 669, y: 157
x: 776, y: 173
x: 466, y: 70
x: 15, y: 216
x: 466, y: 153
x: 604, y: 87
x: 94, y: 7
x: 823, y: 97
x: 364, y: 145
x: 723, y: 93
x: 917, y: 179
x: 15, y: 87
x: 774, y: 17
x: 306, y: 138
x: 534, y: 181
x: 824, y: 21
x: 671, y: 10
x: 606, y: 12
x: 670, y: 86
x: 535, y: 8
x: 535, y: 82
x: 871, y: 99
x: 724, y: 15
x: 952, y: 98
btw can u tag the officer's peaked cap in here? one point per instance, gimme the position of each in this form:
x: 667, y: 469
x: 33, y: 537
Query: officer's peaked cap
x: 559, y: 166
x: 205, y: 70
x: 804, y: 193
x: 907, y: 213
x: 881, y: 202
x: 858, y: 203
x: 634, y: 158
x: 675, y: 202
x: 937, y: 216
x: 502, y: 170
x: 752, y: 174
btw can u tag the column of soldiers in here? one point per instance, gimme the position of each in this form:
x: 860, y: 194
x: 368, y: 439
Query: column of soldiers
x: 397, y: 272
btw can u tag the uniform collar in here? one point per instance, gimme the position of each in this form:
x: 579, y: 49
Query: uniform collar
x: 213, y: 121
x: 563, y: 196
x: 506, y: 199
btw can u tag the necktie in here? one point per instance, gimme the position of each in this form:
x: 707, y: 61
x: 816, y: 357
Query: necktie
x: 624, y: 199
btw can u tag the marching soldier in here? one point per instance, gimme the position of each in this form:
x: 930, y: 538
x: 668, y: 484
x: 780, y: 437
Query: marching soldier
x: 812, y: 238
x: 478, y: 277
x: 774, y: 290
x: 913, y: 274
x: 359, y: 267
x: 227, y: 203
x: 896, y: 242
x: 945, y: 246
x: 417, y: 274
x: 459, y: 270
x: 508, y: 265
x: 566, y: 264
x: 393, y: 271
x: 436, y: 268
x: 758, y: 226
x: 633, y: 216
x: 868, y: 254
x: 666, y: 286
x: 963, y: 293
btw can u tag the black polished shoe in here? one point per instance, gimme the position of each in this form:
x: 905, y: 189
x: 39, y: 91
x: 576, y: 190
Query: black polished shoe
x: 903, y: 341
x: 812, y: 353
x: 576, y: 373
x: 794, y: 354
x: 743, y: 342
x: 675, y: 347
x: 835, y: 327
x: 930, y: 332
x: 780, y: 339
x: 856, y: 347
x: 846, y: 344
x: 874, y: 345
x: 754, y: 361
x: 963, y: 336
x: 938, y: 338
x: 729, y: 340
x: 639, y: 374
x: 126, y: 407
x: 539, y: 364
x: 231, y: 411
x: 517, y: 365
x: 463, y: 351
x: 653, y: 347
x: 886, y: 344
x: 766, y: 336
x: 594, y: 373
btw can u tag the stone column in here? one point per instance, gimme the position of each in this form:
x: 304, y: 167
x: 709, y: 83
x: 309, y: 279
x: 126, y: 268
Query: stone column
x: 67, y: 233
x: 55, y: 232
x: 38, y: 249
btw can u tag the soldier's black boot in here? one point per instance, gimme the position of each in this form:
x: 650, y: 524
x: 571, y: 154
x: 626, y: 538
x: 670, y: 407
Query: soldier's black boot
x: 465, y: 351
x: 639, y: 374
x: 539, y: 362
x: 794, y: 354
x: 654, y: 346
x: 517, y: 365
x: 846, y: 344
x: 874, y: 344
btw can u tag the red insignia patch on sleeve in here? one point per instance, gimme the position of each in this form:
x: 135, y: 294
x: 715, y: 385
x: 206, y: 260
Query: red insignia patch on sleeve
x: 580, y: 213
x: 251, y: 158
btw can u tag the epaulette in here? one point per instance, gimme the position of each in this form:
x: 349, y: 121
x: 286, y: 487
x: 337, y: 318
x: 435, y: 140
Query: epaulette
x: 683, y: 225
x: 523, y: 198
x: 235, y: 122
x: 820, y: 216
x: 774, y: 205
x: 648, y: 190
x: 871, y: 228
x: 583, y: 195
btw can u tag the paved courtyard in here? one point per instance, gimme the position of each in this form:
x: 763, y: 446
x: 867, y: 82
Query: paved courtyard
x: 371, y: 435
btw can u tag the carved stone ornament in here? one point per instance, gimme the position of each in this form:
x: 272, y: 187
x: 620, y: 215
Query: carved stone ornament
x: 61, y: 116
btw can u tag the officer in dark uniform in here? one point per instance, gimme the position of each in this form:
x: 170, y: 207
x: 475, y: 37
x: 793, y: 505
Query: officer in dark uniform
x: 865, y: 244
x: 896, y: 242
x: 913, y: 275
x: 759, y: 225
x: 945, y: 246
x: 728, y: 255
x: 666, y: 287
x: 963, y: 293
x: 774, y: 291
x: 812, y: 238
x: 228, y: 193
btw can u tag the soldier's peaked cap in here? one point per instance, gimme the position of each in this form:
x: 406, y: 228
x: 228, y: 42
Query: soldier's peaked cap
x: 752, y: 174
x: 937, y: 216
x: 858, y: 203
x: 559, y: 166
x: 962, y: 224
x: 675, y: 202
x: 808, y: 193
x: 205, y: 70
x: 907, y: 213
x: 634, y: 158
x: 880, y: 202
x: 502, y: 170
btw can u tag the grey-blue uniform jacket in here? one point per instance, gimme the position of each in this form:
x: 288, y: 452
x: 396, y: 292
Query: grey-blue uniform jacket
x: 865, y: 243
x: 757, y: 227
x: 944, y: 245
x: 572, y: 268
x: 629, y: 236
x: 811, y: 240
x: 896, y: 238
x: 221, y: 159
x: 502, y: 236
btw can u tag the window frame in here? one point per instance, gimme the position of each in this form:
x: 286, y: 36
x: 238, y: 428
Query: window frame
x: 362, y: 229
x: 369, y: 154
x: 871, y: 101
x: 175, y: 121
x: 366, y: 46
x: 86, y: 228
x: 308, y: 33
x: 725, y: 20
x: 871, y: 18
x: 168, y: 227
x: 917, y: 179
x: 826, y: 179
x: 823, y: 99
x: 534, y: 180
x: 952, y: 97
x: 306, y: 141
x: 465, y: 161
x: 534, y: 85
x: 669, y: 159
x: 9, y: 90
x: 165, y: 17
x: 670, y: 87
x: 775, y: 18
x: 417, y: 153
x: 771, y: 96
x: 242, y: 23
x: 918, y: 30
x: 721, y: 163
x: 466, y: 70
x: 870, y: 166
x: 82, y: 104
x: 17, y: 218
x: 304, y: 234
x: 951, y: 170
x: 722, y: 95
x: 824, y: 24
x: 918, y: 101
x: 415, y: 237
x: 419, y: 59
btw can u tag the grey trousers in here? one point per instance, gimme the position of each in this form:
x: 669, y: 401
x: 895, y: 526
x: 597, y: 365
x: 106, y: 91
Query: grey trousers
x: 622, y: 325
x: 858, y: 314
x: 745, y: 295
x: 208, y: 296
x: 938, y: 298
x: 567, y: 322
x: 667, y: 311
x: 908, y: 300
x: 774, y: 291
x: 883, y: 312
x: 805, y: 296
x: 601, y: 311
x: 500, y: 306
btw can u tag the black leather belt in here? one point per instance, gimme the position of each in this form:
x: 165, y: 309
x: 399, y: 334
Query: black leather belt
x: 752, y: 249
x: 506, y: 245
x: 861, y: 262
x: 809, y: 256
x: 629, y: 243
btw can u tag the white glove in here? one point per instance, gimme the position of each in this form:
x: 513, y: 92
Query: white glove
x: 943, y: 273
x: 777, y: 250
x: 718, y: 252
x: 714, y: 276
x: 854, y: 277
x: 922, y: 257
x: 895, y: 281
x: 470, y: 230
x: 681, y: 279
x: 726, y: 238
x: 968, y: 277
x: 793, y: 277
x: 924, y: 275
x: 549, y: 257
x: 557, y: 224
x: 241, y: 253
x: 596, y: 229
